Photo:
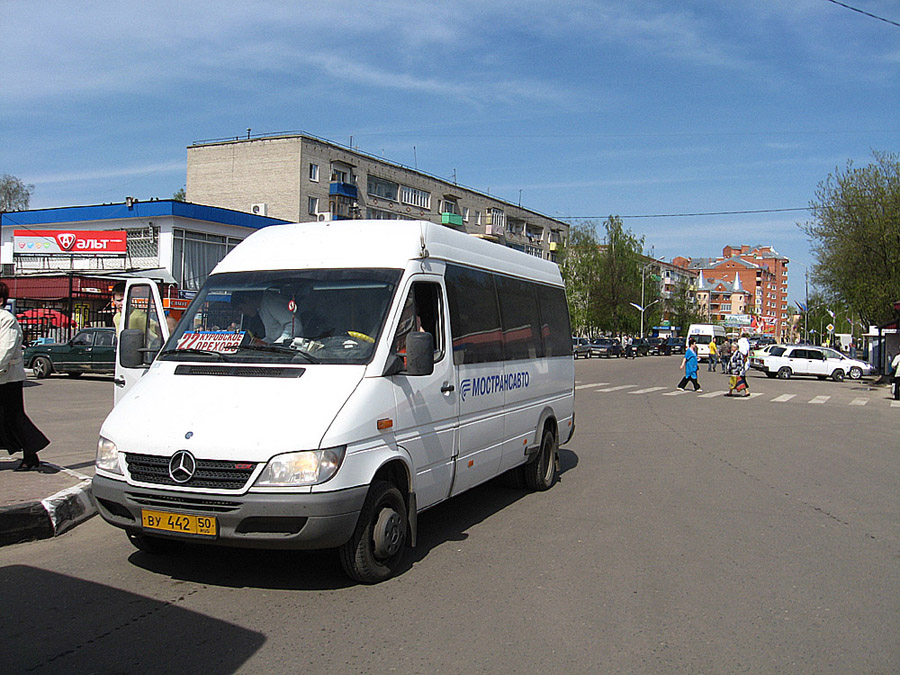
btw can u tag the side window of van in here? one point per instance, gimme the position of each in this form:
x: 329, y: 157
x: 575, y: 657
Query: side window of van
x: 474, y: 316
x: 422, y: 313
x: 520, y: 319
x: 554, y: 321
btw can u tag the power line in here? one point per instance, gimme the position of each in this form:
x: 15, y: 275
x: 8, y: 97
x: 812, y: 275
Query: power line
x: 835, y: 2
x: 686, y: 215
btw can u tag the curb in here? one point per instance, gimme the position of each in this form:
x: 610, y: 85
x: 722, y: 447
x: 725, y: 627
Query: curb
x: 48, y: 517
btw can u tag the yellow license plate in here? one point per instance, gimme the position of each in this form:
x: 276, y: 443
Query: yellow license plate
x: 205, y: 526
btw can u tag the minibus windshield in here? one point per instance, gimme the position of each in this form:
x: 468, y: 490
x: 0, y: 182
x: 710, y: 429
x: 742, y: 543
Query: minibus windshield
x: 285, y: 316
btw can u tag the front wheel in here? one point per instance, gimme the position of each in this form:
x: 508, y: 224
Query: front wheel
x: 855, y: 373
x: 542, y: 471
x: 375, y: 550
x: 42, y: 367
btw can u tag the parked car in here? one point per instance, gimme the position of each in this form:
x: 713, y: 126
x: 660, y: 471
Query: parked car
x: 92, y: 350
x: 785, y: 361
x: 672, y: 345
x: 655, y: 344
x: 581, y: 347
x: 606, y: 347
x: 641, y: 346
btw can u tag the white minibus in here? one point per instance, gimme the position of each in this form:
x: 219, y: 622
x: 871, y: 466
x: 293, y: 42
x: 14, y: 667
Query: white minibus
x: 329, y: 382
x: 704, y: 333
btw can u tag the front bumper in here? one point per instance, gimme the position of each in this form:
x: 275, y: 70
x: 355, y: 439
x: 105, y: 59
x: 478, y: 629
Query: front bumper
x: 254, y: 520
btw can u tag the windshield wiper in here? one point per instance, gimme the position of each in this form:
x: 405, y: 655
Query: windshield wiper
x: 192, y: 352
x: 278, y: 349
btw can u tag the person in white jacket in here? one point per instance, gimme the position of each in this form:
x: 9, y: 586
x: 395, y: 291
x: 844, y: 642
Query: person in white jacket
x: 17, y: 432
x: 895, y: 375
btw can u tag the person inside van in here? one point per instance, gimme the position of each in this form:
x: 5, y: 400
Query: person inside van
x: 266, y: 315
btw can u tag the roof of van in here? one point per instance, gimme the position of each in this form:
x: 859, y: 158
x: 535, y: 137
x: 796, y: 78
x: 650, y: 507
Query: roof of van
x: 388, y: 244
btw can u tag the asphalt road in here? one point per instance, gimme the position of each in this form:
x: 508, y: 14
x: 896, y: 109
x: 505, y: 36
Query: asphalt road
x: 687, y: 533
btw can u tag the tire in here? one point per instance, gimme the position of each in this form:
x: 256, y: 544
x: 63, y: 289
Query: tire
x: 540, y: 474
x: 376, y: 548
x: 838, y: 375
x: 784, y: 373
x: 855, y: 373
x: 154, y: 545
x: 42, y: 367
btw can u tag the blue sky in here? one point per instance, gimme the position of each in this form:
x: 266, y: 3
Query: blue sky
x: 638, y: 107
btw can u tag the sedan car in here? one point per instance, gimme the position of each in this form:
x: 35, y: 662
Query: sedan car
x: 581, y: 347
x: 92, y: 350
x: 606, y: 347
x: 785, y: 361
x: 641, y: 346
x: 672, y: 345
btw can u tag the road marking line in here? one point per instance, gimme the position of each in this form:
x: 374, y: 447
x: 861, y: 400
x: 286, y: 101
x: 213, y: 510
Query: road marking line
x: 895, y: 404
x: 755, y: 394
x: 647, y: 390
x: 676, y: 392
x: 859, y: 401
x: 783, y: 398
x: 595, y: 384
x: 713, y: 394
x: 621, y: 386
x: 818, y: 400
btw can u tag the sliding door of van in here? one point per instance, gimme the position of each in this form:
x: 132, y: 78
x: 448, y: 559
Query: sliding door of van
x: 427, y: 405
x: 478, y: 355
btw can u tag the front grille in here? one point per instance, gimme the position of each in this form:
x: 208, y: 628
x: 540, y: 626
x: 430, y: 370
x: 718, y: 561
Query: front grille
x: 239, y: 371
x: 182, y: 503
x: 213, y: 474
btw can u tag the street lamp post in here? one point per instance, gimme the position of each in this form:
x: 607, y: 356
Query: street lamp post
x: 642, y: 310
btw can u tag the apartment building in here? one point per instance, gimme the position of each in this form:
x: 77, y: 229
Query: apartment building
x: 762, y: 273
x: 302, y: 178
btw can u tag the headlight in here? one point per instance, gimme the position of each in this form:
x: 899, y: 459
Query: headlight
x: 301, y: 468
x: 107, y: 456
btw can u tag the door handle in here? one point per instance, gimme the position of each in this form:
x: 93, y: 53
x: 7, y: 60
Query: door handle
x: 447, y: 388
x: 119, y: 381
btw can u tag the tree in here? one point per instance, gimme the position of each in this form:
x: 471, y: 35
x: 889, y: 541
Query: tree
x: 855, y: 236
x: 579, y: 265
x: 682, y: 307
x: 620, y: 274
x: 179, y: 196
x: 14, y: 194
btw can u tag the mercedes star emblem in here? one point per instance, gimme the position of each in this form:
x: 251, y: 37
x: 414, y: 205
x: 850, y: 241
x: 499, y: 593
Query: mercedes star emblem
x: 182, y: 466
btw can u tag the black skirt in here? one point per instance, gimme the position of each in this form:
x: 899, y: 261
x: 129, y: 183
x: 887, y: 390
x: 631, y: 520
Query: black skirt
x: 17, y: 432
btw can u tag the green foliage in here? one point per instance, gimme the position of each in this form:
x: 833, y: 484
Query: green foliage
x: 578, y: 263
x: 682, y: 307
x: 14, y: 194
x: 855, y: 235
x: 179, y: 196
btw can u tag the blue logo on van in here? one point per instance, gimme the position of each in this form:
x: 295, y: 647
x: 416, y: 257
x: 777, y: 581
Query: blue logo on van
x: 493, y: 384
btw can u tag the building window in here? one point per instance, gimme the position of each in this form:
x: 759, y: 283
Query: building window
x: 195, y: 254
x: 478, y: 217
x: 450, y: 206
x: 415, y: 197
x: 313, y: 206
x: 378, y: 214
x: 465, y: 214
x: 314, y: 173
x: 384, y: 189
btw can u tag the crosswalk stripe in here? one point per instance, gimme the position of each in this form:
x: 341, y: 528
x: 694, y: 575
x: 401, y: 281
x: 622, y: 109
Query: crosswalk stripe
x: 754, y: 394
x: 783, y: 398
x: 675, y: 393
x: 713, y: 394
x: 895, y: 404
x: 859, y: 401
x: 595, y: 384
x: 818, y: 400
x: 620, y: 387
x: 647, y: 390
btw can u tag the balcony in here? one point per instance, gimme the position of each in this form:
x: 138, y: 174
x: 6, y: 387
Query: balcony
x: 343, y: 189
x: 451, y: 219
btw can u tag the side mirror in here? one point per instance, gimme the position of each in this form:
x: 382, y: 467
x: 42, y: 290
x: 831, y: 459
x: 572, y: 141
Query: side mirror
x: 131, y: 342
x: 419, y: 354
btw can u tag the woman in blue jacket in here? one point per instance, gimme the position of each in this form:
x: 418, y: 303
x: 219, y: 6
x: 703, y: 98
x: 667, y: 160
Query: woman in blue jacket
x: 689, y: 364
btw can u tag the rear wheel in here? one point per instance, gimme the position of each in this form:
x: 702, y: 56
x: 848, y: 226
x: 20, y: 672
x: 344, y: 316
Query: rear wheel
x: 785, y: 373
x: 376, y: 549
x: 838, y: 375
x: 42, y: 367
x: 541, y: 472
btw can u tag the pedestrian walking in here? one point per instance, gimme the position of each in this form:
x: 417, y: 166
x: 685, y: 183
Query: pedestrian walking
x: 737, y: 369
x: 713, y: 356
x: 629, y: 351
x: 895, y: 372
x: 725, y: 355
x: 689, y: 365
x: 17, y: 432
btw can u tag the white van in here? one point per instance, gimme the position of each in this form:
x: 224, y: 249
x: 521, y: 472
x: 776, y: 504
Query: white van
x: 704, y: 333
x: 329, y: 382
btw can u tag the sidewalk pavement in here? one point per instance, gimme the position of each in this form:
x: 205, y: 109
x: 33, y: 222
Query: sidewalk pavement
x: 43, y: 503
